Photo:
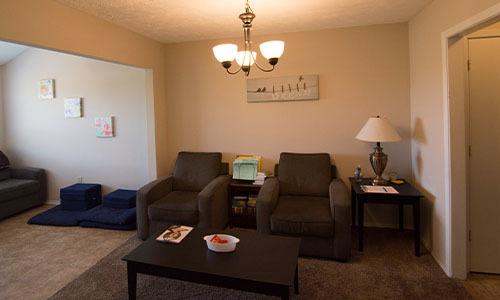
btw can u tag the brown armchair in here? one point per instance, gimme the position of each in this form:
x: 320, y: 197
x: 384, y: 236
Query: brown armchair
x: 306, y: 200
x: 195, y: 195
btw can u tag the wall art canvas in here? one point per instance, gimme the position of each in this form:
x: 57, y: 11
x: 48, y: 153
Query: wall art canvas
x: 104, y: 127
x: 46, y: 89
x: 72, y: 108
x: 288, y: 88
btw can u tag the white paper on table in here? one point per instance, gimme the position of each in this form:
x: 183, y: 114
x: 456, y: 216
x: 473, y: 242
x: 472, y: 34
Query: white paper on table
x: 379, y: 189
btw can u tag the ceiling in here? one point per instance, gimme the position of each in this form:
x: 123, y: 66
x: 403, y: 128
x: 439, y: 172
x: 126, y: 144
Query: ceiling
x: 8, y: 51
x: 172, y: 21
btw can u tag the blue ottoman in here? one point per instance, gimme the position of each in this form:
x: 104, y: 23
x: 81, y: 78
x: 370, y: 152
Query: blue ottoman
x: 80, y: 196
x: 120, y: 199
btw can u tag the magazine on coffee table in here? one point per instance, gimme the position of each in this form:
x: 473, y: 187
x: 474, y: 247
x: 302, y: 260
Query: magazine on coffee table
x: 174, y: 234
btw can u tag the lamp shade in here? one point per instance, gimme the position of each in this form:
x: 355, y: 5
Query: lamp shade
x: 225, y: 52
x: 272, y: 49
x: 244, y: 58
x: 378, y: 129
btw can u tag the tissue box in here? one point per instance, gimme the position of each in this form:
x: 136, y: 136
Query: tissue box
x: 246, y: 167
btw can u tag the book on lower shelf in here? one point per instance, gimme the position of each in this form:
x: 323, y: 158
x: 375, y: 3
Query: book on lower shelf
x: 174, y: 234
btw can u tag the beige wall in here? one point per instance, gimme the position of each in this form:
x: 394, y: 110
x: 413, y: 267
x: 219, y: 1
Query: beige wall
x: 427, y: 113
x: 48, y: 24
x: 38, y: 135
x: 363, y: 71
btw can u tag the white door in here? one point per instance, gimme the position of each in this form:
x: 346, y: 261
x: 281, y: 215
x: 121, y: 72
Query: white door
x: 484, y: 163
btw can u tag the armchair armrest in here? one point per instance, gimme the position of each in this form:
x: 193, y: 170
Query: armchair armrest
x: 340, y: 206
x: 146, y: 195
x: 266, y: 203
x: 32, y: 174
x: 213, y: 203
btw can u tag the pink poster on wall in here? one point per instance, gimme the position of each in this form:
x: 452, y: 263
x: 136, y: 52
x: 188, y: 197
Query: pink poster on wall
x: 104, y: 127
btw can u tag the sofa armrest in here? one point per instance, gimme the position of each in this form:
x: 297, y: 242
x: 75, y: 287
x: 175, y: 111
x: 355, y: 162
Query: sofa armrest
x: 146, y: 195
x: 213, y: 203
x: 266, y: 203
x: 340, y: 206
x: 32, y: 174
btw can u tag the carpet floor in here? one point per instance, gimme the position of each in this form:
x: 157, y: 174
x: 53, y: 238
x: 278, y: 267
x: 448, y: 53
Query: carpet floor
x: 37, y: 261
x: 387, y: 269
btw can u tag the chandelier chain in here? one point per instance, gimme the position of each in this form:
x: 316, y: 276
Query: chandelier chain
x: 247, y: 6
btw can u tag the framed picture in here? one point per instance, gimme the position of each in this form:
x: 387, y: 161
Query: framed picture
x: 104, y: 127
x: 46, y: 89
x: 288, y: 88
x: 72, y: 108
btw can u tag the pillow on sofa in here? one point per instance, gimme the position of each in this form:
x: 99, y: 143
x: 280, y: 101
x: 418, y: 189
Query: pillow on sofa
x: 4, y: 161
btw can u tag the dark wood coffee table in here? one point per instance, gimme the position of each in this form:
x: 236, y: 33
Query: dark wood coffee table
x: 262, y: 264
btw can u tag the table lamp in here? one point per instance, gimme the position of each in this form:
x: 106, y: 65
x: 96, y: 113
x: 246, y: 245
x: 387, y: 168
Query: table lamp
x: 378, y: 130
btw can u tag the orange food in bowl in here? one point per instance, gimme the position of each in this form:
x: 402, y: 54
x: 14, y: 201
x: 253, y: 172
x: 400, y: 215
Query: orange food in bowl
x: 218, y: 240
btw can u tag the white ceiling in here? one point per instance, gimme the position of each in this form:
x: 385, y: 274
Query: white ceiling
x: 188, y: 20
x: 8, y: 51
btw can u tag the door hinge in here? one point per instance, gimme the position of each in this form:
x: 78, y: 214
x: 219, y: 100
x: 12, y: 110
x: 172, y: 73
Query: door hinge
x: 470, y: 151
x: 470, y: 235
x: 468, y: 65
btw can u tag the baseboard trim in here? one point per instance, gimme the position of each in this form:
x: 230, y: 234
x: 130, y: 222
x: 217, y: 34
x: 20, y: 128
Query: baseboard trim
x: 53, y: 202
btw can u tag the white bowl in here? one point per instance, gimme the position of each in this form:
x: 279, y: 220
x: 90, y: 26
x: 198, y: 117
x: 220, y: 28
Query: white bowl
x: 218, y: 247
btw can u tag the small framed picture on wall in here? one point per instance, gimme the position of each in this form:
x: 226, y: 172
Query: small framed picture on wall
x: 46, y: 89
x: 72, y: 108
x: 104, y: 127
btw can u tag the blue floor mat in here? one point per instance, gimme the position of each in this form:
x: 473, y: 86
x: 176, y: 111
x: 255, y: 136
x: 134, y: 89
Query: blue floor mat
x: 56, y: 216
x: 110, y: 216
x: 108, y: 226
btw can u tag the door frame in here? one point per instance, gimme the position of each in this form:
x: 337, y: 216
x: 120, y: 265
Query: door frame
x: 456, y: 231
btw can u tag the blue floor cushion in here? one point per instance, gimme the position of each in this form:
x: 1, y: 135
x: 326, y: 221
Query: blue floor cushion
x: 106, y: 215
x: 131, y: 226
x: 57, y: 216
x: 80, y: 196
x: 120, y: 199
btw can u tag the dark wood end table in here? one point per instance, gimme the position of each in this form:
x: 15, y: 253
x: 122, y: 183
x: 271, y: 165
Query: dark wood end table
x: 244, y: 188
x: 264, y: 264
x: 408, y: 195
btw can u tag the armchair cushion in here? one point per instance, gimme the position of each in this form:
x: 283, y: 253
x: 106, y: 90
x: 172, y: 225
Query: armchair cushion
x: 15, y: 188
x: 4, y: 174
x: 303, y: 215
x: 304, y: 174
x: 194, y: 170
x: 177, y: 206
x: 4, y: 161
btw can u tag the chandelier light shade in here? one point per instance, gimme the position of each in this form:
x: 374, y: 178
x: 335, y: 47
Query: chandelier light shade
x: 272, y: 49
x: 227, y: 53
x: 244, y: 59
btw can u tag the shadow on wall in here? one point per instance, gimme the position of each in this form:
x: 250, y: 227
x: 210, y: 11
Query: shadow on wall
x: 420, y: 138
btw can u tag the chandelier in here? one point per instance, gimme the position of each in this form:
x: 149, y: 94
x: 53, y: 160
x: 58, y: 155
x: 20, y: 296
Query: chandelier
x: 226, y: 53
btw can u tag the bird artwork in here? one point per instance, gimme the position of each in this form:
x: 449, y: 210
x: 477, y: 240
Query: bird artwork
x: 287, y: 88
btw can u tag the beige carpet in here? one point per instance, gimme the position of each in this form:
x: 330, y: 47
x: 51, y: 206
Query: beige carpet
x: 36, y: 261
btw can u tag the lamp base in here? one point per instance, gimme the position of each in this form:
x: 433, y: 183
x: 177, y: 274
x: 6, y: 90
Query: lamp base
x: 378, y: 160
